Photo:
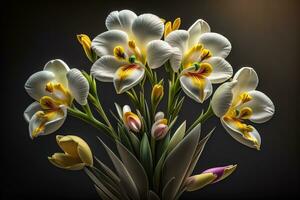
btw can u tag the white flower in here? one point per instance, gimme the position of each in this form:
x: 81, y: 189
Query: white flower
x: 124, y: 49
x: 160, y: 127
x: 202, y: 56
x: 237, y: 101
x: 53, y: 89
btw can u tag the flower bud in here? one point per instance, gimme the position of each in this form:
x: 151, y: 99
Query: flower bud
x: 209, y: 176
x: 160, y: 127
x: 131, y: 120
x: 85, y: 41
x: 77, y: 154
x: 157, y: 94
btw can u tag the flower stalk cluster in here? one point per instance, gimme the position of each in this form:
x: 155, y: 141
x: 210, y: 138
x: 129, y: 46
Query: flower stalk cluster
x: 156, y: 156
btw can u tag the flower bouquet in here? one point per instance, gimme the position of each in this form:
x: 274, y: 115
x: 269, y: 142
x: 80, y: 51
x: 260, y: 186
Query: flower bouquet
x: 156, y: 154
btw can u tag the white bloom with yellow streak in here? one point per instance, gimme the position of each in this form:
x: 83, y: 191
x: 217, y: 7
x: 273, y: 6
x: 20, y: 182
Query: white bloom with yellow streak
x: 201, y: 57
x: 77, y: 154
x: 237, y: 101
x: 54, y: 89
x: 130, y: 42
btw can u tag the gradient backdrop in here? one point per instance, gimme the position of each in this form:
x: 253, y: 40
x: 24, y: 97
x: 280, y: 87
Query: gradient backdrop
x: 264, y: 35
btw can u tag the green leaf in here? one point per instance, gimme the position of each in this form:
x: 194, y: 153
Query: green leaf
x: 124, y: 139
x: 135, y: 169
x: 135, y: 143
x: 157, y: 172
x: 162, y: 146
x: 101, y: 193
x: 126, y: 180
x: 177, y: 137
x: 167, y: 190
x: 100, y: 184
x: 145, y: 155
x: 181, y: 157
x: 106, y: 170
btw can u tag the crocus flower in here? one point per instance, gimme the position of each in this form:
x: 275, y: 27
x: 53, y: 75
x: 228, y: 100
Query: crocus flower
x: 131, y: 120
x: 201, y: 58
x: 237, y: 101
x: 54, y: 89
x: 160, y: 127
x: 77, y: 154
x: 124, y: 49
x: 209, y: 176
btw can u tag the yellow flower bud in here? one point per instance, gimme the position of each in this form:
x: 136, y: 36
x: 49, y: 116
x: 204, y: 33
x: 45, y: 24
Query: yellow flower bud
x: 157, y: 93
x: 85, y: 41
x: 77, y: 154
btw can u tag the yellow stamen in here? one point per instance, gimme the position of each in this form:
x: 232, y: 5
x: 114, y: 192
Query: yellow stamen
x: 119, y: 53
x: 245, y: 97
x: 135, y: 50
x: 59, y: 92
x: 163, y: 121
x: 49, y: 103
x: 205, y: 54
x: 245, y: 113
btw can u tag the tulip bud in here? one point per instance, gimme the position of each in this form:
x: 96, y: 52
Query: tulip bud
x: 77, y: 154
x: 209, y: 176
x: 157, y: 94
x: 160, y: 127
x: 131, y: 120
x: 85, y: 41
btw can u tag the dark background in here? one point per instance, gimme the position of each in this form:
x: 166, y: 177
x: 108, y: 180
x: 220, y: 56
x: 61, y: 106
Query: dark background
x: 264, y: 35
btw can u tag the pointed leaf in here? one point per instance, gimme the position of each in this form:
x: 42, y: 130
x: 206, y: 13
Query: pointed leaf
x: 101, y: 193
x: 135, y: 143
x: 124, y: 175
x: 177, y: 137
x: 100, y: 184
x: 119, y: 110
x: 146, y: 156
x: 108, y: 171
x: 135, y: 169
x: 157, y: 172
x: 180, y: 157
x: 167, y: 190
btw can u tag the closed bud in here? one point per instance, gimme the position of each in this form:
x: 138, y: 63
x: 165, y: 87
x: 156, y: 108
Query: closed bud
x: 157, y: 94
x: 131, y: 120
x: 160, y: 127
x: 209, y: 176
x: 77, y: 154
x: 86, y: 43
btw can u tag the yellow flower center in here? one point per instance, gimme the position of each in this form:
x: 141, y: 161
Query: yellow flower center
x: 195, y: 54
x: 61, y: 94
x: 119, y: 53
x: 126, y: 70
x: 132, y: 50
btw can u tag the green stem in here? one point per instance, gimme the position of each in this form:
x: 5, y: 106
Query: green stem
x: 202, y: 118
x: 91, y: 120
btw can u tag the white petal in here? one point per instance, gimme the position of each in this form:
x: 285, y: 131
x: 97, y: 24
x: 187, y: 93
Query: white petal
x: 78, y: 86
x: 216, y: 43
x: 59, y: 68
x: 158, y: 52
x: 133, y: 76
x: 247, y: 80
x: 50, y: 126
x: 147, y: 27
x: 126, y: 108
x: 222, y: 70
x: 195, y: 31
x: 31, y: 110
x: 237, y: 135
x: 179, y: 39
x: 175, y: 59
x: 262, y: 107
x: 121, y: 20
x: 199, y: 92
x: 222, y: 98
x: 105, y: 67
x: 36, y: 83
x: 105, y: 43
